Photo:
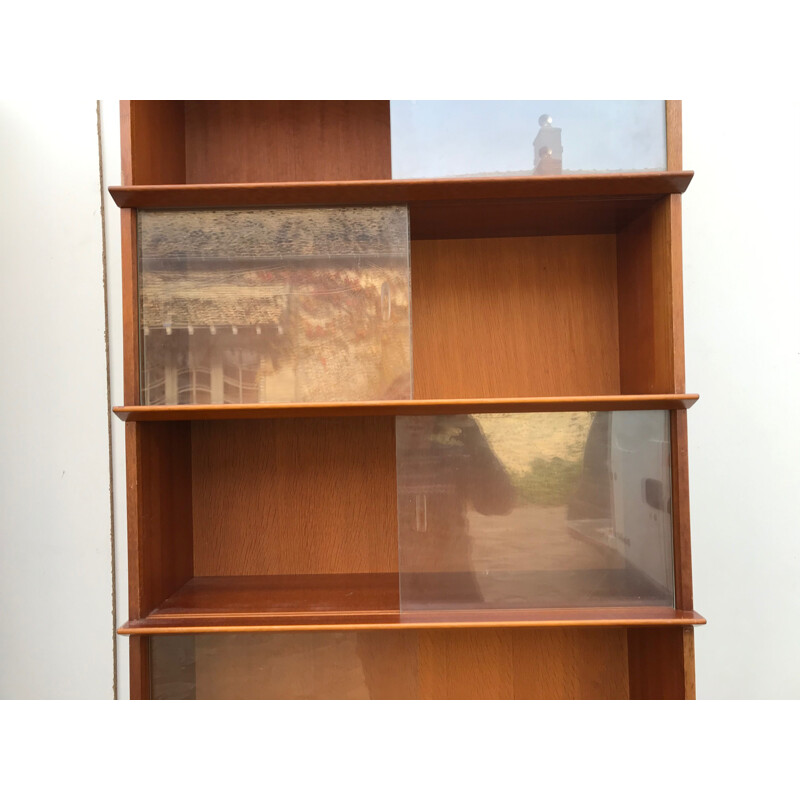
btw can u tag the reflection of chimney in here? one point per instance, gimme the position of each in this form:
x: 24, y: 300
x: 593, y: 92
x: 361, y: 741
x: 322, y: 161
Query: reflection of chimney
x: 547, y: 149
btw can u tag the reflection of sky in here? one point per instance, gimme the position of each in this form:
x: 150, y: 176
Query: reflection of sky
x: 441, y: 138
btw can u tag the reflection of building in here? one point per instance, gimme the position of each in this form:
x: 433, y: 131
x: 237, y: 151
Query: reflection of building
x: 284, y: 305
x: 547, y: 149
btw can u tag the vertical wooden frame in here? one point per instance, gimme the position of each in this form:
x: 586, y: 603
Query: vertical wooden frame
x: 139, y: 660
x: 674, y: 134
x: 152, y: 151
x: 678, y: 420
x: 661, y: 661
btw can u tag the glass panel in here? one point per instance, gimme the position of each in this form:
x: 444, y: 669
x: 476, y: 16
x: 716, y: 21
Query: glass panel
x: 451, y: 664
x: 320, y: 665
x: 460, y: 138
x: 274, y: 305
x: 566, y: 509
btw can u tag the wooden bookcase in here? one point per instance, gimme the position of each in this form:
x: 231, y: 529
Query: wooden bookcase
x: 578, y: 283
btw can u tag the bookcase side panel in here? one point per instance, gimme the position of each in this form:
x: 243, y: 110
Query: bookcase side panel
x: 159, y: 527
x: 661, y: 663
x: 159, y: 512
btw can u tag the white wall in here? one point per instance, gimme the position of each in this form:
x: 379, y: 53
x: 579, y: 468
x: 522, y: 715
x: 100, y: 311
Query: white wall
x: 741, y: 222
x: 112, y: 176
x: 56, y: 622
x: 742, y: 312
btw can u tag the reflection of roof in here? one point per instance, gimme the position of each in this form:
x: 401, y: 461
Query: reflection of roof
x: 200, y: 297
x: 270, y: 233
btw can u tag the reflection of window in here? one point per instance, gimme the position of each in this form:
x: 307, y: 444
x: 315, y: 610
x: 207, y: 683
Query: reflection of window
x: 240, y: 376
x: 154, y: 379
x: 194, y: 380
x: 154, y: 385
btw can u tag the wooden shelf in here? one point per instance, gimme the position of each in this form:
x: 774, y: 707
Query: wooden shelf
x: 447, y: 208
x: 380, y: 408
x: 384, y: 192
x: 361, y: 601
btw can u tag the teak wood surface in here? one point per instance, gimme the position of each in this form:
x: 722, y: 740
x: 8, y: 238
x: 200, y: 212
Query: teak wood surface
x: 413, y: 192
x: 360, y: 601
x: 526, y: 317
x: 501, y: 664
x: 297, y: 496
x: 230, y: 141
x: 605, y: 319
x: 449, y: 209
x: 386, y: 408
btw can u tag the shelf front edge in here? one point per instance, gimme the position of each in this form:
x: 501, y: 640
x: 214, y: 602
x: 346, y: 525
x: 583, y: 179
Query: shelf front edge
x: 384, y: 192
x: 643, y: 402
x: 541, y: 618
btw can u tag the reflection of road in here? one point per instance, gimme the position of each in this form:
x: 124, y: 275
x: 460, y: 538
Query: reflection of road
x: 532, y: 558
x: 533, y: 538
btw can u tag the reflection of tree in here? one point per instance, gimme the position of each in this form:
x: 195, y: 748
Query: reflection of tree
x: 548, y: 482
x: 592, y: 496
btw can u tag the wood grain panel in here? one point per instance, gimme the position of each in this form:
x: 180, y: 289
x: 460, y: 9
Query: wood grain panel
x: 523, y: 664
x: 674, y: 134
x: 552, y: 216
x: 351, y: 601
x: 382, y: 408
x: 689, y: 687
x: 139, y: 668
x: 283, y: 497
x: 515, y: 317
x: 390, y: 660
x: 661, y: 663
x: 159, y: 512
x: 172, y: 668
x: 647, y: 304
x: 307, y: 666
x: 139, y: 655
x: 440, y: 665
x: 246, y: 141
x: 130, y: 308
x: 153, y: 150
x: 682, y: 548
x: 675, y: 308
x: 278, y: 597
x: 563, y: 664
x: 423, y: 195
x: 466, y: 665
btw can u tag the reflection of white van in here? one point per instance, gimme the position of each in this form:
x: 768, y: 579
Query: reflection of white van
x: 624, y: 500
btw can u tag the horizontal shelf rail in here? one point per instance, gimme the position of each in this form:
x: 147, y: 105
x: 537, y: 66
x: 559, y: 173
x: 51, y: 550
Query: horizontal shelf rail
x: 637, y: 402
x: 384, y: 620
x: 368, y: 601
x: 447, y: 208
x: 382, y: 192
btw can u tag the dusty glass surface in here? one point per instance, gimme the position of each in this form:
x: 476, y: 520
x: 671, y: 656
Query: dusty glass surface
x: 568, y: 509
x: 274, y: 305
x: 319, y: 665
x: 485, y: 138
